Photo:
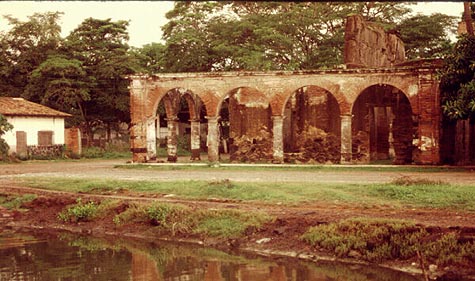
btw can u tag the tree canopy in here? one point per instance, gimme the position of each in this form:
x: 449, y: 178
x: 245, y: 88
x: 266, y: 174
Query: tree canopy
x: 215, y: 36
x: 458, y: 76
x: 85, y: 73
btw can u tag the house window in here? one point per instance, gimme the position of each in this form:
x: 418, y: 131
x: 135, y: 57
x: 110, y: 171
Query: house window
x: 45, y: 137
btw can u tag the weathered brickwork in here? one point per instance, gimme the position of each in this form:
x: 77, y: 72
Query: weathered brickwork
x: 72, y: 139
x: 368, y: 45
x: 273, y: 90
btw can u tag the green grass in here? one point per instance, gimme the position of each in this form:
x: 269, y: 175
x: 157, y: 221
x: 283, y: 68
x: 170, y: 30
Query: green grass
x: 15, y: 202
x: 378, y: 240
x: 170, y: 219
x: 397, y: 194
x: 324, y: 168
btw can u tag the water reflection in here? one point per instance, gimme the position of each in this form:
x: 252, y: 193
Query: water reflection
x: 68, y: 257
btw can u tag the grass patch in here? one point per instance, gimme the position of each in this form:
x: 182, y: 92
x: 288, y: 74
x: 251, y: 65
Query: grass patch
x: 396, y: 195
x: 176, y: 218
x: 299, y: 167
x: 377, y: 240
x: 15, y: 202
x: 86, y: 211
x: 374, y: 240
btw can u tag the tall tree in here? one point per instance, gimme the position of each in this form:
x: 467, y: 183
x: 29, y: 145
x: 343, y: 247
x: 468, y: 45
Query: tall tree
x: 458, y: 80
x: 207, y: 36
x: 61, y: 83
x: 25, y: 46
x: 149, y: 57
x: 427, y: 36
x: 101, y: 47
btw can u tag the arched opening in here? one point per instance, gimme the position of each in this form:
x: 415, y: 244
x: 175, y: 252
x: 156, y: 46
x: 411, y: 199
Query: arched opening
x: 312, y: 127
x: 181, y: 125
x: 245, y: 126
x: 383, y: 126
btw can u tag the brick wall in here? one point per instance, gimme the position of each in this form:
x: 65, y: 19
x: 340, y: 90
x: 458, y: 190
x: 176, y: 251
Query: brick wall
x: 72, y: 140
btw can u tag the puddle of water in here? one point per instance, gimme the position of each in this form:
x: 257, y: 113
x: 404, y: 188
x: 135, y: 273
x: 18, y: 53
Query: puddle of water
x: 71, y: 257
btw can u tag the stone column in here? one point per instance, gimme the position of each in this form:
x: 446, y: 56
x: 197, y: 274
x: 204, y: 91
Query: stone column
x: 172, y: 125
x: 195, y: 139
x: 138, y: 142
x: 346, y: 153
x: 213, y: 139
x: 152, y: 138
x: 278, y: 141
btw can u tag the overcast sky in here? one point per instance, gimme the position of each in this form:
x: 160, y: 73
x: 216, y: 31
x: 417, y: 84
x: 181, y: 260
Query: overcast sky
x: 146, y: 17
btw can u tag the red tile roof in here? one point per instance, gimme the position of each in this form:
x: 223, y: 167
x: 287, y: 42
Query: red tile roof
x: 21, y: 107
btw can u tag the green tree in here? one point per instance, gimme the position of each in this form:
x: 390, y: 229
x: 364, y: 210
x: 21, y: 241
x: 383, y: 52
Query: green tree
x: 458, y: 80
x: 61, y: 83
x: 101, y: 47
x: 149, y: 57
x: 24, y: 47
x: 209, y: 36
x: 4, y: 127
x: 427, y: 36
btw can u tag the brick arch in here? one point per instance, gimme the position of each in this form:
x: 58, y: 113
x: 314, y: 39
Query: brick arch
x: 284, y: 98
x: 409, y: 99
x: 249, y: 96
x: 171, y: 99
x: 373, y: 125
x: 195, y: 104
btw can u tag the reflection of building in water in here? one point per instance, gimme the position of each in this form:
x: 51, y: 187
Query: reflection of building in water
x: 213, y: 271
x: 143, y: 267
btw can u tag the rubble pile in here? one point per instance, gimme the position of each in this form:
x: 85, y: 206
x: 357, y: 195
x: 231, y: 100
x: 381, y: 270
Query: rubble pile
x: 360, y: 147
x: 316, y: 146
x: 253, y: 148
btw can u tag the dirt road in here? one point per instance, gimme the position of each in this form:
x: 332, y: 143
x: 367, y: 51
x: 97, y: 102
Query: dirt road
x: 104, y: 169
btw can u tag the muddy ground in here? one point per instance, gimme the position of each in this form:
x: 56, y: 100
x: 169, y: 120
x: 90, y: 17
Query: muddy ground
x: 291, y: 222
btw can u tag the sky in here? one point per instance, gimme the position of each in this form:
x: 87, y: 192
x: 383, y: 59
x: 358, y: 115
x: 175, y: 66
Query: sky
x: 146, y: 17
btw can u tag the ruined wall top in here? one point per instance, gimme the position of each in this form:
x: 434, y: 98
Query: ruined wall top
x: 368, y: 45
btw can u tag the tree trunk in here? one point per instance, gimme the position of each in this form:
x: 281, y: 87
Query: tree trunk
x: 468, y: 18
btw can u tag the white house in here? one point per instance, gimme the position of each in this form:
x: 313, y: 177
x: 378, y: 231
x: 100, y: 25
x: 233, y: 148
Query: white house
x: 33, y: 125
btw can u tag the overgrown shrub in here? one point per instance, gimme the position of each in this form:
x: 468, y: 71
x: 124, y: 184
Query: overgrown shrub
x: 374, y: 240
x: 378, y: 240
x: 15, y: 202
x: 4, y: 127
x: 79, y: 212
x: 176, y: 218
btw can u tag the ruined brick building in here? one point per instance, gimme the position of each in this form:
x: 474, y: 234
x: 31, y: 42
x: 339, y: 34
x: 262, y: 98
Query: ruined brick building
x: 378, y: 107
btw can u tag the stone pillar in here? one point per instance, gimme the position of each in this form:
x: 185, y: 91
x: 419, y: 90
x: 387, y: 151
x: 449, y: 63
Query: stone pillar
x: 195, y: 139
x: 138, y: 142
x: 152, y: 138
x: 172, y: 125
x: 346, y: 153
x: 278, y: 141
x: 213, y: 139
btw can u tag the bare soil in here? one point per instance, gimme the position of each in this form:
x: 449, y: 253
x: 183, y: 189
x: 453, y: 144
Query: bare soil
x: 284, y: 232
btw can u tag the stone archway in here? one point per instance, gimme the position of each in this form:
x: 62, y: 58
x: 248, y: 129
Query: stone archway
x: 383, y: 126
x: 179, y: 118
x: 246, y: 126
x: 312, y: 126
